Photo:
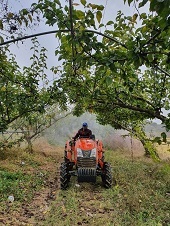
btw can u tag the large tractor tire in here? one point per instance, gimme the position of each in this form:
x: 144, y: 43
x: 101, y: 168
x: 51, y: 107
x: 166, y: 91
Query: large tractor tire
x: 107, y: 175
x: 64, y: 176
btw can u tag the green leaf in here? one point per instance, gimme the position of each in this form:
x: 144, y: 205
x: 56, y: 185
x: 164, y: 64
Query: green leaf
x: 83, y: 2
x: 58, y: 2
x: 30, y: 17
x: 150, y: 57
x: 157, y: 140
x: 98, y: 16
x: 60, y: 58
x: 130, y: 89
x: 1, y: 25
x: 24, y: 11
x: 129, y: 2
x: 110, y: 22
x: 143, y: 16
x: 141, y: 4
x: 1, y: 39
x: 101, y: 25
x: 93, y: 6
x: 19, y: 20
x: 3, y: 89
x: 80, y: 14
x: 163, y: 135
x: 10, y: 15
x: 100, y: 7
x: 108, y: 81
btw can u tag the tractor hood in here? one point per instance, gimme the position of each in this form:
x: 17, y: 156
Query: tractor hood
x: 85, y: 144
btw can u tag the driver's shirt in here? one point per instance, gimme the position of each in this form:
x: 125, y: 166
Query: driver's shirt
x: 83, y: 133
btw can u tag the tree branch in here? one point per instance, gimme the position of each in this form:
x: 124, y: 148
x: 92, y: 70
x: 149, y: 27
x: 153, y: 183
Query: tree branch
x: 154, y: 36
x: 153, y: 114
x: 162, y: 70
x: 39, y: 130
x: 64, y: 31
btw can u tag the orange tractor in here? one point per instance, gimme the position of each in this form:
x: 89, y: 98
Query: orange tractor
x: 84, y: 158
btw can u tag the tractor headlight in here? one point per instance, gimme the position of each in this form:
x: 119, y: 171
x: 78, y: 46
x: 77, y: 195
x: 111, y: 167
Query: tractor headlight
x: 93, y: 152
x: 79, y: 152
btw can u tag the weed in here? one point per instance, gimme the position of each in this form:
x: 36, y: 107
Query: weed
x: 18, y: 184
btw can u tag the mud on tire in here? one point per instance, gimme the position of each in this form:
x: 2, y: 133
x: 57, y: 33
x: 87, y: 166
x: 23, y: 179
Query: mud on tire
x: 64, y: 176
x: 107, y: 176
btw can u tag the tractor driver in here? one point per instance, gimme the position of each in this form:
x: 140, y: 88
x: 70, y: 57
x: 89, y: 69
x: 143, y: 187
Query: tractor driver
x: 83, y: 132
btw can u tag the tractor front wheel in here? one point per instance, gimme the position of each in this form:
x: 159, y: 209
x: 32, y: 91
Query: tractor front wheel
x: 64, y: 176
x: 107, y: 175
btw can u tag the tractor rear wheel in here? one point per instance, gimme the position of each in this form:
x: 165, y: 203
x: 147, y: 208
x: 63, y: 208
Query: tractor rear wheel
x: 107, y: 175
x: 64, y: 176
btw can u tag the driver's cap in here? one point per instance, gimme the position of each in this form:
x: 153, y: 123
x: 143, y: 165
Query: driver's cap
x: 85, y: 124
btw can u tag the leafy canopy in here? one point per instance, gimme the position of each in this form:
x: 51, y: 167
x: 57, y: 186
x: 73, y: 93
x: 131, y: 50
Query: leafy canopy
x: 121, y: 72
x: 118, y: 69
x: 20, y: 92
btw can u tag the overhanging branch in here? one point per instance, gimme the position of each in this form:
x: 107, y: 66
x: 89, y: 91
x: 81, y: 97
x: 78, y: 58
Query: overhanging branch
x: 62, y: 31
x: 149, y: 112
x: 32, y: 36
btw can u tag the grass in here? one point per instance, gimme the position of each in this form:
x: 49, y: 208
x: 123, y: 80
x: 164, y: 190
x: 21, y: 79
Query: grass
x: 18, y: 184
x: 140, y: 197
x: 31, y: 179
x: 19, y: 175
